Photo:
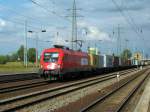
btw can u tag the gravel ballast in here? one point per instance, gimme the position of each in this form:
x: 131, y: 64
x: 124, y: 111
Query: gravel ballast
x: 61, y: 101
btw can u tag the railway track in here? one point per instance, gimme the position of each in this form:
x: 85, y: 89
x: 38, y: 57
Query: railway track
x: 21, y: 87
x: 18, y: 77
x: 18, y: 102
x: 149, y: 107
x: 30, y: 85
x: 116, y: 99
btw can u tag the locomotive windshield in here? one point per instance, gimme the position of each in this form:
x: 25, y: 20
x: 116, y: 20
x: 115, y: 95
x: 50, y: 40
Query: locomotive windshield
x: 51, y: 57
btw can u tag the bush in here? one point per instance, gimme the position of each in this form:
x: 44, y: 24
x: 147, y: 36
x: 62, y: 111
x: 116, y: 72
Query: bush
x: 3, y: 59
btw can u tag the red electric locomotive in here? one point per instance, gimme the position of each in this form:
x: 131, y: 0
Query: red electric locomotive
x: 60, y: 61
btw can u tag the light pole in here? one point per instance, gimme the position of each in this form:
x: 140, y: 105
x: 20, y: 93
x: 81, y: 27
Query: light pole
x: 85, y: 35
x: 126, y: 43
x: 141, y: 31
x: 37, y: 38
x: 100, y: 42
x: 25, y: 47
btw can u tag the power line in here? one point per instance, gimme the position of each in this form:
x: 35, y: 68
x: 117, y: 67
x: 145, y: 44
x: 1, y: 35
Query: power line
x: 140, y: 30
x: 127, y: 20
x: 27, y: 17
x: 40, y: 40
x: 131, y: 18
x: 18, y: 22
x: 47, y: 10
x: 130, y: 22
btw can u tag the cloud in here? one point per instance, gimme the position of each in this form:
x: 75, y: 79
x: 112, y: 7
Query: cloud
x: 2, y: 23
x: 98, y: 14
x: 115, y: 9
x: 93, y: 32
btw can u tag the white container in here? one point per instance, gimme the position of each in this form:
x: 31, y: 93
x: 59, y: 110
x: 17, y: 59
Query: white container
x: 108, y: 60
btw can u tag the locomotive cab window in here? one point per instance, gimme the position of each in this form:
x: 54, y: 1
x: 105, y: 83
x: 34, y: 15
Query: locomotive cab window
x: 51, y: 57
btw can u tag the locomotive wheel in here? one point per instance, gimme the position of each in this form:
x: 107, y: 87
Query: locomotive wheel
x: 40, y: 73
x: 61, y: 77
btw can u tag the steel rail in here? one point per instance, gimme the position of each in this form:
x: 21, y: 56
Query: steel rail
x: 26, y: 86
x: 18, y: 77
x: 22, y: 87
x: 99, y: 100
x: 126, y: 99
x: 57, y: 91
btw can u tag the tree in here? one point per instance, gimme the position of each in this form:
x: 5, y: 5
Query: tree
x: 126, y: 54
x: 3, y: 59
x: 32, y: 54
x: 7, y: 58
x: 14, y: 57
x: 20, y: 53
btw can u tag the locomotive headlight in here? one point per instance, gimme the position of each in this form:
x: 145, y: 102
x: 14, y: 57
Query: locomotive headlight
x: 53, y: 66
x: 58, y: 66
x: 49, y: 67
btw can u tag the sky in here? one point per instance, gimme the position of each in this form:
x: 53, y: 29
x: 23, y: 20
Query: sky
x: 97, y: 23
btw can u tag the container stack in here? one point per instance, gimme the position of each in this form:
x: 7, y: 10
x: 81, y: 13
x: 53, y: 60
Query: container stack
x: 94, y: 57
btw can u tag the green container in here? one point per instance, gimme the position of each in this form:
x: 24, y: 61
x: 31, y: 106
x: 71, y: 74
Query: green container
x: 93, y: 51
x: 94, y: 60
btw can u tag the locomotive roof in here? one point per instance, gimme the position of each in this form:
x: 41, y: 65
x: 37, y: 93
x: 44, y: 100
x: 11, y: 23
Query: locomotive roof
x: 65, y: 51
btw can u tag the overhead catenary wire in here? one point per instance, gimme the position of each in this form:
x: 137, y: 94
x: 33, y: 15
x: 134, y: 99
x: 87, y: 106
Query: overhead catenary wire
x: 126, y: 18
x: 22, y: 20
x: 139, y: 30
x: 25, y: 17
x: 130, y: 22
x: 48, y: 10
x: 20, y: 23
x: 29, y: 18
x: 40, y: 40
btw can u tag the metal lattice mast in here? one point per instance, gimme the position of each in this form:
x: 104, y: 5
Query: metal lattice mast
x: 74, y: 26
x: 118, y: 42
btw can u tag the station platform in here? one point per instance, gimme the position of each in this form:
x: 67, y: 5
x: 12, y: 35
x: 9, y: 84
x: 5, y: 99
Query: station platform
x: 144, y: 102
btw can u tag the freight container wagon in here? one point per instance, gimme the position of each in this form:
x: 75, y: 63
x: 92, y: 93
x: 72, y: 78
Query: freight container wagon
x: 115, y: 61
x: 135, y: 62
x: 94, y: 60
x: 101, y: 61
x: 108, y: 59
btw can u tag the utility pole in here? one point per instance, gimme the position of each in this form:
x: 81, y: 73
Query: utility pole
x: 37, y: 39
x: 74, y: 35
x: 74, y: 24
x: 119, y: 41
x: 24, y: 53
x: 99, y: 46
x: 126, y: 43
x: 25, y: 46
x: 141, y: 31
